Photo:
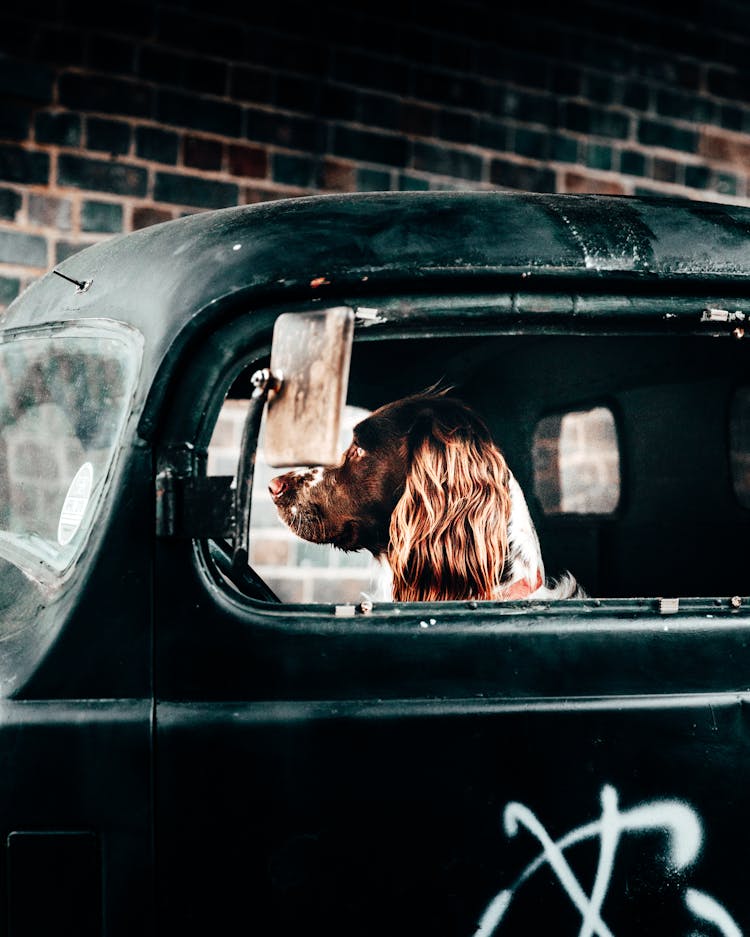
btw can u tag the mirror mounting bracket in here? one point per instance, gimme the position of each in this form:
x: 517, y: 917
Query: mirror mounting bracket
x: 189, y: 503
x: 265, y: 384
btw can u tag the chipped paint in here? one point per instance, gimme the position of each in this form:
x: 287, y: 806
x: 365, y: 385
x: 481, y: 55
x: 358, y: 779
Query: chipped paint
x: 367, y: 315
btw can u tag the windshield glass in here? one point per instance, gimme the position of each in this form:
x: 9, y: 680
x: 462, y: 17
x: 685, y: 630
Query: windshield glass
x: 65, y: 395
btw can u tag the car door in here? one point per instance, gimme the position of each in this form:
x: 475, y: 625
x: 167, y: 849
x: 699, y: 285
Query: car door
x: 460, y: 768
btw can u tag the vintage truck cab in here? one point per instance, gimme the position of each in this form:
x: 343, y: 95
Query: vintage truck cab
x: 192, y: 744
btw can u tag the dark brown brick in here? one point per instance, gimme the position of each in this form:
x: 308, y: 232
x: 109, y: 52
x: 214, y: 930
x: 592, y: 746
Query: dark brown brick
x: 112, y: 136
x: 112, y: 54
x: 289, y: 169
x: 81, y: 92
x: 665, y: 170
x: 203, y: 33
x: 294, y: 133
x: 252, y: 84
x: 15, y: 121
x: 200, y: 153
x: 28, y: 80
x: 578, y: 182
x: 59, y: 127
x: 161, y: 146
x: 25, y: 166
x: 370, y: 147
x: 199, y: 113
x: 144, y: 216
x: 187, y: 72
x: 724, y: 147
x: 525, y: 176
x: 444, y: 161
x: 101, y: 176
x: 671, y: 136
x: 247, y: 161
x: 10, y: 203
x: 373, y: 180
x: 337, y: 176
x: 255, y: 193
x: 418, y: 120
x: 195, y: 191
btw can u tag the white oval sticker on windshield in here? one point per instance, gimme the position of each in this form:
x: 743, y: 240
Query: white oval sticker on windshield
x: 74, y: 506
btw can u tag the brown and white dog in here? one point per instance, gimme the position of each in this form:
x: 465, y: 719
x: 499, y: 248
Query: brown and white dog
x: 423, y: 487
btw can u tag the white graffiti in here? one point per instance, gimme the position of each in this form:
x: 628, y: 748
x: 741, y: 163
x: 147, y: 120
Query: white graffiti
x: 675, y: 819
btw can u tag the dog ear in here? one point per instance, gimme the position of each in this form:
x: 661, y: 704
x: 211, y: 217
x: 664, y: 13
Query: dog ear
x: 438, y: 414
x: 448, y: 532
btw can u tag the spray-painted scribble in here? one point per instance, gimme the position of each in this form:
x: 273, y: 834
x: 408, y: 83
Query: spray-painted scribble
x: 676, y: 820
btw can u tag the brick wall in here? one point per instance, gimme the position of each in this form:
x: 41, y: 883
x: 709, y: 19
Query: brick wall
x: 116, y: 116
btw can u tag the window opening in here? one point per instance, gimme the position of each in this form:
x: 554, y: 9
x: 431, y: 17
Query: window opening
x: 577, y: 462
x: 668, y: 437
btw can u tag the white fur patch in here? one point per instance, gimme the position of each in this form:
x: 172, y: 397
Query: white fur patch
x: 381, y: 583
x: 310, y: 477
x: 565, y: 588
x: 316, y: 476
x: 524, y: 551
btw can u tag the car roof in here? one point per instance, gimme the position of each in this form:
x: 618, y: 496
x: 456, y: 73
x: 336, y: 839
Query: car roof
x: 169, y: 279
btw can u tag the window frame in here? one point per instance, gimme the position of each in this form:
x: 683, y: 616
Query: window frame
x: 612, y: 409
x: 424, y: 316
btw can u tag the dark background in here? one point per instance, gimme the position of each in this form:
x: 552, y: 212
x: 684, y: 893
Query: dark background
x: 114, y: 116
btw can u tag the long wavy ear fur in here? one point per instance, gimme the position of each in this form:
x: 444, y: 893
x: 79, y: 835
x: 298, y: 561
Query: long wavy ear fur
x: 448, y: 532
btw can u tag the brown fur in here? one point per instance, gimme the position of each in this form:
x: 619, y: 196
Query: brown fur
x: 448, y: 531
x: 422, y: 485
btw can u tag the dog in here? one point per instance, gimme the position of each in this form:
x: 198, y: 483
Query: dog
x: 424, y: 488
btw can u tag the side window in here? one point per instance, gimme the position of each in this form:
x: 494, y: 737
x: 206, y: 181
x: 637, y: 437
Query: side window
x: 297, y: 571
x: 64, y: 401
x: 576, y: 462
x: 739, y: 444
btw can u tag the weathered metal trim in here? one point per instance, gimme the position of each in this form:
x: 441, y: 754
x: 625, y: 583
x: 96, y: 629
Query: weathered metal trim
x: 194, y: 507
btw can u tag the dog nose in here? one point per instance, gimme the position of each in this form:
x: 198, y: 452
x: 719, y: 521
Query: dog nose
x: 277, y: 486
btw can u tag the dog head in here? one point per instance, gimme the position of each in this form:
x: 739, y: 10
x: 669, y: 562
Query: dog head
x: 421, y: 484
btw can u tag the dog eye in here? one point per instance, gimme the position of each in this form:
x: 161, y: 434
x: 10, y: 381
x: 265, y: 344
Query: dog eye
x: 355, y: 453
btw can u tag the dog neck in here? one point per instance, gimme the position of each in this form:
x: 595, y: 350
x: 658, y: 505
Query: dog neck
x: 524, y: 569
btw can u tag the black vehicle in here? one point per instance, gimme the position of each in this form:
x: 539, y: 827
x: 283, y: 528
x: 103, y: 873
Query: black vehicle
x: 194, y: 745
